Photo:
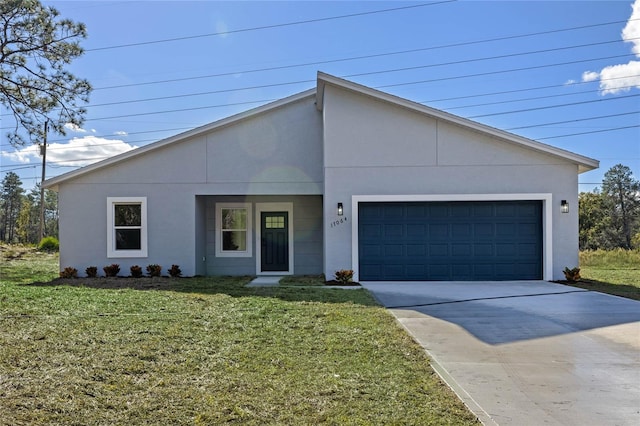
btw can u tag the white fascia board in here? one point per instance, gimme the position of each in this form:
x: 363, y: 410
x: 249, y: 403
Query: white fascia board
x: 54, y: 182
x: 585, y: 164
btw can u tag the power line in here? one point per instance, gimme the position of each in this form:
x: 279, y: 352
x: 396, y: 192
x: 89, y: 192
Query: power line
x: 483, y: 74
x: 553, y: 106
x: 445, y: 46
x: 422, y: 102
x: 505, y: 92
x: 305, y: 81
x: 265, y: 27
x: 590, y: 132
x: 378, y: 87
x: 574, y: 120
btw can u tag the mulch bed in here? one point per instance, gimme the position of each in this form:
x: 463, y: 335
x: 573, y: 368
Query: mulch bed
x: 142, y: 283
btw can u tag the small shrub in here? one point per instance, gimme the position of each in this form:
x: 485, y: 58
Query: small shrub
x: 175, y: 271
x: 344, y: 276
x: 154, y: 270
x: 111, y: 270
x: 136, y: 271
x: 572, y: 275
x: 69, y: 272
x: 91, y: 271
x: 49, y: 244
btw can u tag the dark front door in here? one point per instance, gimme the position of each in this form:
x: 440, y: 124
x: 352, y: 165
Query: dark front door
x: 275, y: 241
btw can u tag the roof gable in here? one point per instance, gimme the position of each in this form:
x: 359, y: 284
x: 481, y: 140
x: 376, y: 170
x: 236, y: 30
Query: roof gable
x: 188, y: 135
x: 584, y: 163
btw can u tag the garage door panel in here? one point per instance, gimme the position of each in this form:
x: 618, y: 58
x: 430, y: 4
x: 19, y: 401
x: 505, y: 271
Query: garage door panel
x: 416, y: 231
x: 527, y: 250
x: 458, y: 250
x: 438, y: 250
x: 461, y: 231
x: 393, y: 250
x: 369, y: 251
x: 483, y: 230
x: 438, y: 231
x: 416, y: 250
x: 527, y: 229
x: 450, y: 240
x: 506, y: 229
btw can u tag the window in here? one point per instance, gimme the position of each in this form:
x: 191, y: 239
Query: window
x: 127, y: 227
x: 233, y: 230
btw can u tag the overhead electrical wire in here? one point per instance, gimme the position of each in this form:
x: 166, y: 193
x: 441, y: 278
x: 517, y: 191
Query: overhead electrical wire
x: 265, y: 27
x: 353, y: 58
x: 394, y: 70
x: 422, y: 102
x: 352, y: 75
x: 308, y: 81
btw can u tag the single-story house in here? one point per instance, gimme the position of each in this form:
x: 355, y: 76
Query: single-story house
x: 338, y: 177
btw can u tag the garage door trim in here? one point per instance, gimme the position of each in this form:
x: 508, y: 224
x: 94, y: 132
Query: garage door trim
x: 546, y: 198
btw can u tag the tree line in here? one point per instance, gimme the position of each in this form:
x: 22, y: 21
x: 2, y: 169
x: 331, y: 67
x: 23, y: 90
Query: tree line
x: 609, y: 217
x: 20, y: 212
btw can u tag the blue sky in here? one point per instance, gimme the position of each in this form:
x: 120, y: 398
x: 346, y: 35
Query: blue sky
x: 554, y: 71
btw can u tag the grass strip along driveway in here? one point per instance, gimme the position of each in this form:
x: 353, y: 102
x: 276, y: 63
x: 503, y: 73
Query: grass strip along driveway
x: 207, y: 351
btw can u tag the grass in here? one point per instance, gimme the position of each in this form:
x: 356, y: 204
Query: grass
x: 614, y: 272
x: 206, y: 351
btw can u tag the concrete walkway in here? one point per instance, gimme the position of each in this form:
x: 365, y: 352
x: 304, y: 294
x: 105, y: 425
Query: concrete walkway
x: 527, y: 353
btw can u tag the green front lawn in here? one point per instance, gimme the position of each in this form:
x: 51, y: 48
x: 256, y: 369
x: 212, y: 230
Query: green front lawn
x: 614, y: 272
x: 207, y: 351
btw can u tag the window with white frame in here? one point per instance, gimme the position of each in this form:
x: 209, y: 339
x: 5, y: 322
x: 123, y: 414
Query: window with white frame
x: 126, y: 227
x: 233, y: 230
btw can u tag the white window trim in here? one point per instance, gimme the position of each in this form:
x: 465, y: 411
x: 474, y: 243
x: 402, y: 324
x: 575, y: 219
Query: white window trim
x: 273, y: 207
x: 249, y: 244
x: 111, y: 231
x: 547, y: 219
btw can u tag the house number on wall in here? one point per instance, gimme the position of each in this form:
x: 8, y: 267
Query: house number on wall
x: 338, y: 222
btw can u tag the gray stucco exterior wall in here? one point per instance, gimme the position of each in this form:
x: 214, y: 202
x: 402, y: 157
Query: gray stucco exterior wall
x: 380, y: 150
x: 276, y: 152
x: 344, y: 144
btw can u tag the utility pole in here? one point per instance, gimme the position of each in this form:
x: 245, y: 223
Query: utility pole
x: 43, y: 152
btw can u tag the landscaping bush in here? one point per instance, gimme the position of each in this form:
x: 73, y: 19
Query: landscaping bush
x: 136, y: 271
x: 175, y: 271
x: 344, y: 276
x: 111, y: 270
x: 91, y: 271
x: 69, y: 272
x: 572, y: 275
x: 49, y: 244
x: 154, y: 270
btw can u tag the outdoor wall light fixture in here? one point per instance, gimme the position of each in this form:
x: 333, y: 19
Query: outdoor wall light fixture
x: 340, y: 209
x: 564, y: 206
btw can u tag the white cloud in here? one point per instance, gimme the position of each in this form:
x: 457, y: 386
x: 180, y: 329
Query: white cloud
x: 590, y: 76
x: 74, y: 128
x: 120, y: 133
x: 77, y: 152
x: 621, y: 77
x: 631, y: 31
x: 570, y: 82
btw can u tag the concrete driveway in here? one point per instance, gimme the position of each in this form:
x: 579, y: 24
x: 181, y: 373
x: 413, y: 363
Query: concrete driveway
x: 527, y: 352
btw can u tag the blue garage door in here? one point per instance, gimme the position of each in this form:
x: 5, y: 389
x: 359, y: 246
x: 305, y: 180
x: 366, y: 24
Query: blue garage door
x: 450, y: 241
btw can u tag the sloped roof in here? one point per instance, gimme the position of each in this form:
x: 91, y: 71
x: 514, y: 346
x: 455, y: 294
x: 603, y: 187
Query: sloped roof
x: 584, y: 163
x: 53, y: 182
